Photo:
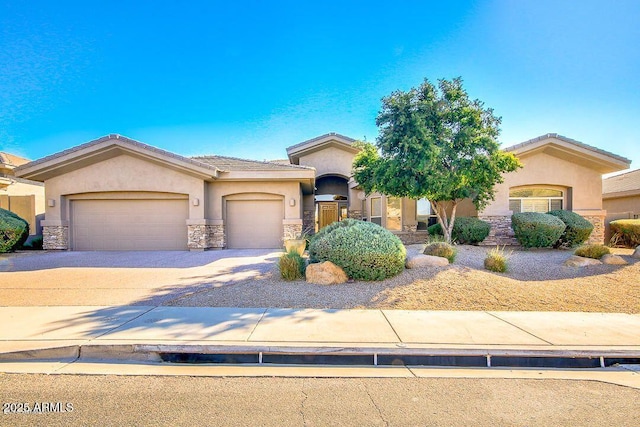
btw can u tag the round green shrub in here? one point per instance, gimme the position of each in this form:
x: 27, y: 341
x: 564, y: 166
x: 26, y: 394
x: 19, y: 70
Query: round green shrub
x: 441, y: 249
x: 625, y: 232
x: 365, y: 251
x: 466, y: 230
x: 14, y: 231
x: 592, y: 251
x: 292, y: 266
x: 537, y: 230
x: 577, y: 229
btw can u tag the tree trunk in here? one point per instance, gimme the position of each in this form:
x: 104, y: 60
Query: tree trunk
x: 446, y: 223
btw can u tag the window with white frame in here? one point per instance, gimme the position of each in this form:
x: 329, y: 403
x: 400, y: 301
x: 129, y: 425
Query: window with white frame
x: 535, y: 199
x: 423, y: 213
x: 375, y: 214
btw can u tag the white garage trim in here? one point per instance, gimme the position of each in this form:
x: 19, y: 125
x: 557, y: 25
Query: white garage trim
x: 129, y: 224
x: 254, y: 223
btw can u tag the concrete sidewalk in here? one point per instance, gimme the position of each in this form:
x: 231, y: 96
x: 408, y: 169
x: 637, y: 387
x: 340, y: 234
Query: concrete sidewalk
x: 143, y: 332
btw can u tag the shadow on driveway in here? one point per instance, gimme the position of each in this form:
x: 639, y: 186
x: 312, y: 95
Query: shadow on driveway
x: 123, y: 259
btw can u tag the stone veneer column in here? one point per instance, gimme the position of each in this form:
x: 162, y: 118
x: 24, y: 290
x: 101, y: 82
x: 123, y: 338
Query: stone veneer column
x: 291, y: 229
x: 501, y: 232
x: 205, y: 234
x: 355, y: 214
x: 309, y: 220
x: 55, y: 235
x: 597, y: 235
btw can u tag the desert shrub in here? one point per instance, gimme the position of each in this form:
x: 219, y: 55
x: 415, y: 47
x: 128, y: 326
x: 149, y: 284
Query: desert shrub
x: 592, y: 251
x: 292, y: 266
x: 441, y: 249
x: 435, y: 229
x: 625, y: 232
x: 466, y: 230
x: 14, y: 231
x: 537, y: 230
x: 496, y: 260
x: 577, y: 229
x: 364, y: 250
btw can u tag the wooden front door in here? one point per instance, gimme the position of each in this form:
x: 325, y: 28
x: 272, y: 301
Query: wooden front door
x: 328, y: 213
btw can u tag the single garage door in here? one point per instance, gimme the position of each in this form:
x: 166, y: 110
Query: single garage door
x: 254, y: 224
x: 125, y: 225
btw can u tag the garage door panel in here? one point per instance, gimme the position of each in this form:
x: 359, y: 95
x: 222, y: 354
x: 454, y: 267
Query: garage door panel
x: 254, y: 224
x: 129, y: 224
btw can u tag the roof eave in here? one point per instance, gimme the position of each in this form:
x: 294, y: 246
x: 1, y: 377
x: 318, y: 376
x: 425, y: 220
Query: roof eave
x: 105, y: 148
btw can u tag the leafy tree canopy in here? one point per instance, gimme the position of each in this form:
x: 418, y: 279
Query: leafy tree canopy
x: 435, y: 143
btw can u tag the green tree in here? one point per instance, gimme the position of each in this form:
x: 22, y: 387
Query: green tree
x: 435, y: 143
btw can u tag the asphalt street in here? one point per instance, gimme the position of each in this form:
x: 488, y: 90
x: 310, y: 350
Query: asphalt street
x: 126, y: 400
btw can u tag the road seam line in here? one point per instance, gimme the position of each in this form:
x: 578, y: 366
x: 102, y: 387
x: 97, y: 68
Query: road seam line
x: 518, y: 327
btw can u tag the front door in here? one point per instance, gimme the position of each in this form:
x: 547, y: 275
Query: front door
x: 327, y: 213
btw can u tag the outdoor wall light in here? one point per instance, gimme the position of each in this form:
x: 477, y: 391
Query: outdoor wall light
x: 51, y: 203
x: 196, y: 202
x: 292, y: 202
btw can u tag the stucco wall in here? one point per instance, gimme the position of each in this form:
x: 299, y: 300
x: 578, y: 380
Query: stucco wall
x: 24, y: 189
x: 253, y: 190
x: 122, y: 174
x: 545, y: 170
x: 329, y: 161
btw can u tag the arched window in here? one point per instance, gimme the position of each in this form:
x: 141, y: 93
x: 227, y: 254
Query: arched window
x: 535, y: 199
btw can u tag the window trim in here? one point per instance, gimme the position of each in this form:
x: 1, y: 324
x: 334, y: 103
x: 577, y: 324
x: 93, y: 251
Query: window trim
x: 371, y: 216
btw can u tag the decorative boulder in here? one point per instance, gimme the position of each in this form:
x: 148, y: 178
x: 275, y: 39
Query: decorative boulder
x: 417, y: 261
x: 613, y: 260
x: 636, y: 253
x: 325, y: 273
x: 578, y: 261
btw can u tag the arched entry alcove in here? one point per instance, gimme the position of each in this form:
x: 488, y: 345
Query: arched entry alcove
x: 331, y: 200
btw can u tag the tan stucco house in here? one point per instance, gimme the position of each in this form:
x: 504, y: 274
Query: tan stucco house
x: 21, y: 196
x: 115, y: 193
x: 621, y: 197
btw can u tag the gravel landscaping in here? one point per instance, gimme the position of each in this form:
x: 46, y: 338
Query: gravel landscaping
x: 535, y: 281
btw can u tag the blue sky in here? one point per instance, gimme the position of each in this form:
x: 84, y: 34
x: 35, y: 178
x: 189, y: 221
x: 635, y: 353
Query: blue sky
x: 248, y: 79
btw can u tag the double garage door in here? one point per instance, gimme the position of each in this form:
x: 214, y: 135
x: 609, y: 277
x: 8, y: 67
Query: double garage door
x: 159, y: 224
x: 124, y: 225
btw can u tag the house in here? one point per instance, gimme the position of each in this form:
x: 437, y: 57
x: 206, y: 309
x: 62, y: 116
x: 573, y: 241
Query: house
x: 621, y: 197
x: 21, y: 196
x: 115, y: 193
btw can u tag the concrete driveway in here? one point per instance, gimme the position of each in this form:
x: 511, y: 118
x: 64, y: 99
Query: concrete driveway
x: 123, y: 278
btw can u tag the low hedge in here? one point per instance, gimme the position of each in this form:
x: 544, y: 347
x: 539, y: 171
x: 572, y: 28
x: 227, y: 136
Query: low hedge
x: 577, y: 229
x: 14, y: 231
x: 466, y: 230
x: 364, y: 250
x: 537, y: 230
x: 625, y: 232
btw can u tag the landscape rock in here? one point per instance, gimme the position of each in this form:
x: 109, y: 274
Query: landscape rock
x: 636, y: 253
x: 325, y: 273
x: 419, y: 260
x: 578, y: 261
x: 613, y: 260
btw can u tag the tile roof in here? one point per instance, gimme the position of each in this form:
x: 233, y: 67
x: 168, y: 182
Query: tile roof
x: 124, y: 139
x: 235, y: 164
x: 317, y: 138
x: 629, y: 181
x: 11, y: 159
x: 572, y: 141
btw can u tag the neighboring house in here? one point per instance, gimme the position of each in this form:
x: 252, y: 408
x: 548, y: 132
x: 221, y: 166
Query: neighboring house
x: 118, y: 194
x: 621, y: 197
x: 21, y: 196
